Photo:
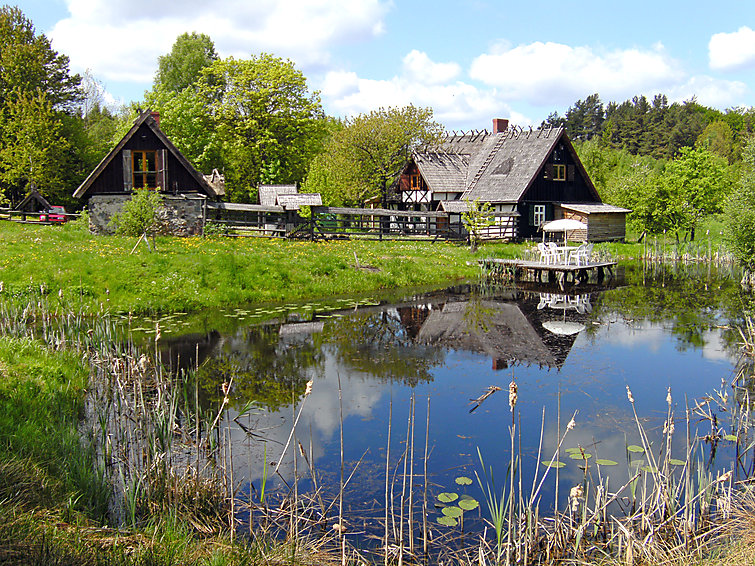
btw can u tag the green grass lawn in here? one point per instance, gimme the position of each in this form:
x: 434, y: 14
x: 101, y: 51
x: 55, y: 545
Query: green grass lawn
x: 77, y: 269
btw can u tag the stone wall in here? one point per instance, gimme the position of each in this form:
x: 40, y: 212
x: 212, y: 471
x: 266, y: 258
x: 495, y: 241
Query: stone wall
x: 179, y: 215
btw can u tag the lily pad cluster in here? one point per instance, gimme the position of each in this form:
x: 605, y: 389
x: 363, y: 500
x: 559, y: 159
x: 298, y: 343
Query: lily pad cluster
x: 452, y: 505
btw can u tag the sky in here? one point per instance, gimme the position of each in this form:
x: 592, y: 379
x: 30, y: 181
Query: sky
x: 468, y: 60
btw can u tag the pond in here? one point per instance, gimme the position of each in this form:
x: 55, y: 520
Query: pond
x: 412, y: 367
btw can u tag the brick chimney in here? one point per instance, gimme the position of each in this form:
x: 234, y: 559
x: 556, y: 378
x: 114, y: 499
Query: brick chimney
x: 156, y: 117
x: 500, y: 125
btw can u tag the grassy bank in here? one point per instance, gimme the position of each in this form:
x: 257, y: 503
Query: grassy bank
x: 195, y: 273
x: 54, y: 495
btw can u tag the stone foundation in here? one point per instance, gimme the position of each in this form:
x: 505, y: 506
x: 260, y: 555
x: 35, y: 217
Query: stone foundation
x: 179, y: 215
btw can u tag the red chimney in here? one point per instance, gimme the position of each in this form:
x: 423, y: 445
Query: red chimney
x: 500, y: 125
x: 156, y: 117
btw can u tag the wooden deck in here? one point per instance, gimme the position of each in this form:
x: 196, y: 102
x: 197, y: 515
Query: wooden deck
x: 555, y: 273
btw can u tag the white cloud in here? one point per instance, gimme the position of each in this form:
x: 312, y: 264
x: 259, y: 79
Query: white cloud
x: 418, y: 66
x: 710, y: 92
x: 121, y: 41
x: 557, y: 74
x: 732, y: 51
x: 456, y: 105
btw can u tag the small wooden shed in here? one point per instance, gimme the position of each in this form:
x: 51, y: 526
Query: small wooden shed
x: 605, y: 222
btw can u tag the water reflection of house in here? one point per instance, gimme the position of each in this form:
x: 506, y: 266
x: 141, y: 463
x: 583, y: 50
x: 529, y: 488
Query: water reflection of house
x: 188, y: 351
x: 510, y: 332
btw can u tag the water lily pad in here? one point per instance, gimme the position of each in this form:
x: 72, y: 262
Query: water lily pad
x: 580, y: 456
x: 553, y: 464
x: 605, y: 462
x: 463, y: 480
x: 454, y: 512
x: 468, y: 504
x: 447, y: 521
x: 573, y: 450
x: 731, y: 437
x: 675, y: 462
x: 446, y: 497
x: 635, y: 448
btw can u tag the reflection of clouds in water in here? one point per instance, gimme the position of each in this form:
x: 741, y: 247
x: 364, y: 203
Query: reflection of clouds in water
x: 320, y: 415
x: 650, y: 335
x: 639, y: 334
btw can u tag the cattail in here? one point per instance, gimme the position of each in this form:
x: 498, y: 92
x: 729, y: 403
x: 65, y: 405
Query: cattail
x: 668, y: 397
x: 308, y: 389
x: 512, y: 395
x: 158, y: 333
x: 629, y: 395
x: 668, y: 427
x: 571, y: 424
x: 575, y: 496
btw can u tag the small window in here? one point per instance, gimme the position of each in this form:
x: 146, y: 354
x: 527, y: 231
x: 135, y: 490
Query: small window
x: 559, y: 172
x: 538, y: 214
x: 144, y: 166
x: 417, y: 182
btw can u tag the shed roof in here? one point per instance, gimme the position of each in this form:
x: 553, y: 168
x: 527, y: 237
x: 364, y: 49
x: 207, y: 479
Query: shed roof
x: 146, y: 119
x: 592, y: 208
x: 268, y: 194
x: 294, y: 202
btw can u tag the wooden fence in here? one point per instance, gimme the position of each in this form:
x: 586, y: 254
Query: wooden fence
x: 328, y: 222
x: 34, y: 217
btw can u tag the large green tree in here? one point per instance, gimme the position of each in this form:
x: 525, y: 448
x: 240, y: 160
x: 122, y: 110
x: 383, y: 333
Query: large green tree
x: 181, y: 68
x: 740, y: 212
x: 38, y: 95
x: 253, y: 119
x: 365, y: 157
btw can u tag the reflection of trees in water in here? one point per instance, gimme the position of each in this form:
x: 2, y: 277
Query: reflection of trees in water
x: 691, y: 298
x: 266, y: 368
x: 382, y: 344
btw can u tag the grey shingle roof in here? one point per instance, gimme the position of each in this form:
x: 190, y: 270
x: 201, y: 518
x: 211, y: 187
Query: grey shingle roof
x: 495, y: 168
x: 591, y: 208
x: 268, y: 194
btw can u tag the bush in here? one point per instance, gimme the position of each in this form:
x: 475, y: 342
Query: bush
x: 139, y: 215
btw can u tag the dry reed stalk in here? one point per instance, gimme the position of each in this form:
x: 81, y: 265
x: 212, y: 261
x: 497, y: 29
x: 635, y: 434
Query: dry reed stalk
x: 387, y: 479
x: 424, y: 474
x: 411, y: 478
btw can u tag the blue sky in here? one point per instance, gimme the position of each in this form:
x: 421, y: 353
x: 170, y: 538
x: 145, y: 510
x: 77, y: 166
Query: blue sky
x: 470, y: 60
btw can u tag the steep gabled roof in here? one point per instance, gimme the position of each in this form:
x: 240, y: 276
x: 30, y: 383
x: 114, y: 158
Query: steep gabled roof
x: 146, y: 119
x: 497, y: 168
x: 268, y: 194
x: 34, y: 196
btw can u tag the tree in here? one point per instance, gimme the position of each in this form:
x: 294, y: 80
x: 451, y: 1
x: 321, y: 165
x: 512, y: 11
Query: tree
x: 32, y: 149
x: 740, y: 213
x: 38, y: 100
x: 698, y: 181
x: 180, y: 68
x: 29, y: 64
x: 365, y: 157
x: 476, y: 218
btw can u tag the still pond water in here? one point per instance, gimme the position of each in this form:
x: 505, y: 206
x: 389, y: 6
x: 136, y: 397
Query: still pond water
x: 657, y: 330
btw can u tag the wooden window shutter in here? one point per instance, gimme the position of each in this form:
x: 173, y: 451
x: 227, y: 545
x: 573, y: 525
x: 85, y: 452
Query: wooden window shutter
x: 162, y: 169
x: 570, y: 172
x: 128, y: 174
x: 531, y: 214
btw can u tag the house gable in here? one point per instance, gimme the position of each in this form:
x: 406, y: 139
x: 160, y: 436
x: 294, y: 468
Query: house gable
x: 172, y: 172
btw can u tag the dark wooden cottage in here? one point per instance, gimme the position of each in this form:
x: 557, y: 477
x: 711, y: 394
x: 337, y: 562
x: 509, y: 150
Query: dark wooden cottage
x: 529, y: 174
x: 146, y: 159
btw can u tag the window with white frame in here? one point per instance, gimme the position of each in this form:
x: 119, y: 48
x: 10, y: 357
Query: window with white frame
x: 538, y: 214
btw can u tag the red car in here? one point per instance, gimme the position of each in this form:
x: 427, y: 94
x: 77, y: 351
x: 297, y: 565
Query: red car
x: 54, y: 214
